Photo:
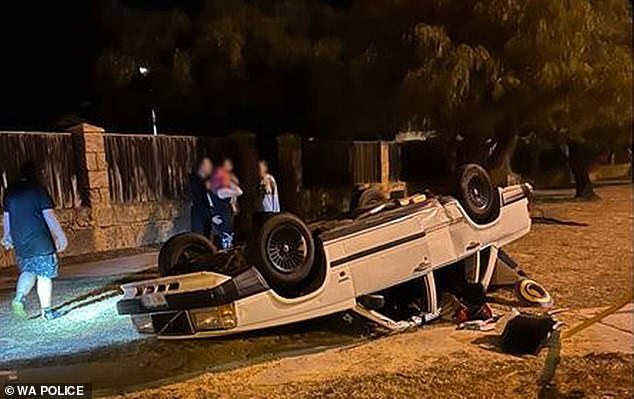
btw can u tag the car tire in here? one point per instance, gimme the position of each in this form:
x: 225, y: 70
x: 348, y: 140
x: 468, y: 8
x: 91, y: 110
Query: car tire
x: 477, y: 194
x: 283, y: 250
x: 180, y: 253
x: 368, y: 198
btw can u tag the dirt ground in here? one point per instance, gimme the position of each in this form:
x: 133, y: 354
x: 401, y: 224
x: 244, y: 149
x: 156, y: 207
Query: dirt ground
x: 583, y: 267
x: 586, y: 268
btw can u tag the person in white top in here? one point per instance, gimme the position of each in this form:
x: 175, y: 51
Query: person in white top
x: 268, y: 199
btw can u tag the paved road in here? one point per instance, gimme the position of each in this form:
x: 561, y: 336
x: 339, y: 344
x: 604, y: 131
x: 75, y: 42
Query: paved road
x: 102, y: 268
x: 91, y: 342
x: 87, y: 294
x: 613, y: 333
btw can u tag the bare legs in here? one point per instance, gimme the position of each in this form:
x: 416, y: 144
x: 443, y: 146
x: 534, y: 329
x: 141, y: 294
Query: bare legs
x: 44, y: 291
x: 27, y: 280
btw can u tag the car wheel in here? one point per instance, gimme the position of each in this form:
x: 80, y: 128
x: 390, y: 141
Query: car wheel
x: 477, y: 195
x: 284, y: 250
x: 368, y: 198
x: 182, y: 252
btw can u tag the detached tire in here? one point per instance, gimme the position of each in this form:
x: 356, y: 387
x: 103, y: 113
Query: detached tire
x: 368, y: 198
x: 283, y: 250
x: 476, y: 194
x: 180, y: 253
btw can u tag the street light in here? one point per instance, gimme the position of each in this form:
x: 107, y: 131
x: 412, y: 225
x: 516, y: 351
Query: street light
x: 144, y: 71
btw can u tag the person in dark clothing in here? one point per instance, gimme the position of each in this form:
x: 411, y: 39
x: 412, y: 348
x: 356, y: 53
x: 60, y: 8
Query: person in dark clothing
x: 31, y: 228
x: 200, y: 202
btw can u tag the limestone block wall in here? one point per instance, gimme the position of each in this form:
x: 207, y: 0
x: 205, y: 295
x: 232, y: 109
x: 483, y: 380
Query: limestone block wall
x: 97, y: 225
x: 141, y: 224
x: 117, y: 227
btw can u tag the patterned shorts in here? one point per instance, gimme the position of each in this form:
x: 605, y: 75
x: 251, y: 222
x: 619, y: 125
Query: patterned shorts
x: 43, y: 265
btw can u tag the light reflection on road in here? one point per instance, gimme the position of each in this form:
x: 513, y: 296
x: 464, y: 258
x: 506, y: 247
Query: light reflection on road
x: 93, y: 343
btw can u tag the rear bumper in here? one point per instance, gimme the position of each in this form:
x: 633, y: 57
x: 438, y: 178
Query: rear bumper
x: 174, y: 314
x: 247, y: 283
x: 171, y: 323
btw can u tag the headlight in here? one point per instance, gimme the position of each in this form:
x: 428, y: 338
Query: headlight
x: 143, y: 323
x: 216, y: 318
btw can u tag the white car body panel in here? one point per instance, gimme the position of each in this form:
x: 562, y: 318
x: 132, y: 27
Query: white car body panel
x: 369, y: 260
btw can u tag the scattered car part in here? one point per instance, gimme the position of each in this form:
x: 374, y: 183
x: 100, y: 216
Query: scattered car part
x: 478, y: 325
x: 527, y: 334
x: 532, y: 293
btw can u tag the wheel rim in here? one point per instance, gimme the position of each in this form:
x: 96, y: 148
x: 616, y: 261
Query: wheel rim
x: 286, y: 248
x: 191, y: 255
x: 373, y: 202
x: 478, y: 192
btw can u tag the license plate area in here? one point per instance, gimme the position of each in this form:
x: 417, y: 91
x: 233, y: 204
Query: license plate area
x: 172, y: 323
x: 153, y: 301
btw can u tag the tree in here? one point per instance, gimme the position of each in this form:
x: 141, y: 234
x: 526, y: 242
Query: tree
x: 481, y: 72
x: 558, y: 68
x: 582, y: 65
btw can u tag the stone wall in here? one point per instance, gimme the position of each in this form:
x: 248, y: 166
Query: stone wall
x: 95, y: 222
x: 97, y: 225
x: 118, y: 227
x: 141, y: 224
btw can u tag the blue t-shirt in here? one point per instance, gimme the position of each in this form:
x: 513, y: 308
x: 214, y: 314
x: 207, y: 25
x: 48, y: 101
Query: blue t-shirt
x: 30, y: 234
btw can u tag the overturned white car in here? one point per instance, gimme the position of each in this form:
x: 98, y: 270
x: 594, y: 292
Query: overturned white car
x: 291, y: 271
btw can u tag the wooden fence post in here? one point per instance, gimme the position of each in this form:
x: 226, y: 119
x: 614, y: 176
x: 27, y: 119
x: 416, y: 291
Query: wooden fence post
x: 246, y: 161
x: 385, y: 164
x: 289, y: 182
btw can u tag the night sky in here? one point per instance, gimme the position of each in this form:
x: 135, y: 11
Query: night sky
x: 49, y: 50
x: 52, y: 51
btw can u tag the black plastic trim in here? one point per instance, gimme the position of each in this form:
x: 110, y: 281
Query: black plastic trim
x: 245, y: 284
x: 378, y: 248
x: 376, y: 220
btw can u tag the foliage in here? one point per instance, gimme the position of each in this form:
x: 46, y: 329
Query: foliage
x: 558, y: 68
x: 478, y: 71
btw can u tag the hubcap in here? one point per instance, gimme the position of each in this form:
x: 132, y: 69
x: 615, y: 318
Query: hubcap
x: 286, y: 248
x: 478, y: 193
